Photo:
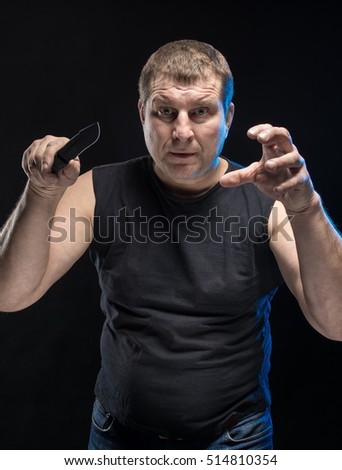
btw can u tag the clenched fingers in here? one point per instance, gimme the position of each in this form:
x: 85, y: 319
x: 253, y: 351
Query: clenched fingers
x: 38, y: 159
x: 40, y: 154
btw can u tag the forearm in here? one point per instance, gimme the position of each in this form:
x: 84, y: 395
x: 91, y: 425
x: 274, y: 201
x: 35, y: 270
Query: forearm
x: 319, y: 248
x: 24, y: 252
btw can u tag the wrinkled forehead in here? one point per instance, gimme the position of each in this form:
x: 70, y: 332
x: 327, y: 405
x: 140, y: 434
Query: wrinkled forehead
x: 167, y: 84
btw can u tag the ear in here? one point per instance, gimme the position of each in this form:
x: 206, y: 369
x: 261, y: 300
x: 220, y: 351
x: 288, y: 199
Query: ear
x: 230, y: 115
x: 141, y: 110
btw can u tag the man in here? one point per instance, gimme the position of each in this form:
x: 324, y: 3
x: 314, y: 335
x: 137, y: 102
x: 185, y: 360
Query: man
x: 190, y: 248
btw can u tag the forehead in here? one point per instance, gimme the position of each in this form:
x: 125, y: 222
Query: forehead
x: 166, y: 88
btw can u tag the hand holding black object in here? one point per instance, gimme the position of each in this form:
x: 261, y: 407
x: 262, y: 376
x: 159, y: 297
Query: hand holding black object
x: 76, y: 145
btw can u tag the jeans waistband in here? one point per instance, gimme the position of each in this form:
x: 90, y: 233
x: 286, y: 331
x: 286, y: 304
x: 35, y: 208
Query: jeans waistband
x: 234, y: 418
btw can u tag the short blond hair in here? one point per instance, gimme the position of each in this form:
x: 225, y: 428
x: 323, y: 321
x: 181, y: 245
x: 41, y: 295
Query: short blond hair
x: 186, y: 61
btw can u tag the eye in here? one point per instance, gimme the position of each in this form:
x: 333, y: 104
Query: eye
x: 201, y: 111
x: 166, y: 112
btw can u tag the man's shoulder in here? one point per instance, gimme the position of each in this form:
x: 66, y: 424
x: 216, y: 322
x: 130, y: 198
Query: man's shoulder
x: 121, y: 166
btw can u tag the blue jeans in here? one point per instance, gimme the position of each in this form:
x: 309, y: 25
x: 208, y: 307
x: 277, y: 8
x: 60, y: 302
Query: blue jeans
x: 254, y: 431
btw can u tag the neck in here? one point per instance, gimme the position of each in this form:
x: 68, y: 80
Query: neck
x: 193, y: 188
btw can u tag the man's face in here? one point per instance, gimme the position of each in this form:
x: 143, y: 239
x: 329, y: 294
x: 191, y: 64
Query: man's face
x: 185, y: 128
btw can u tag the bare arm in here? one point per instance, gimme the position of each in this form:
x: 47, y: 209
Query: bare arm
x: 310, y: 258
x: 29, y: 261
x: 309, y: 255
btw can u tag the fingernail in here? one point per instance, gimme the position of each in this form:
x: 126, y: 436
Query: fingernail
x: 263, y: 134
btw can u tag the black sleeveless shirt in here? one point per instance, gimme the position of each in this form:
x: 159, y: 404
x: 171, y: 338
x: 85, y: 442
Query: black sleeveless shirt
x: 186, y: 289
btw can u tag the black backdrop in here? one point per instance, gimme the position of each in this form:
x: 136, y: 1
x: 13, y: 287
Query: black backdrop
x: 68, y: 65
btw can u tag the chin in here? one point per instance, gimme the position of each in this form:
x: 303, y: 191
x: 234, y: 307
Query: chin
x: 184, y: 174
x: 186, y: 171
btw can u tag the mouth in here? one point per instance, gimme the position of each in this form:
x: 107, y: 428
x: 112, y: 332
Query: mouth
x: 182, y: 155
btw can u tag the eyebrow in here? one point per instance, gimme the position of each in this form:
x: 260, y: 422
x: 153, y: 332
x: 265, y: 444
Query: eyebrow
x: 167, y: 100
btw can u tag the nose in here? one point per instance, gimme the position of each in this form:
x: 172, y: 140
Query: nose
x: 182, y: 128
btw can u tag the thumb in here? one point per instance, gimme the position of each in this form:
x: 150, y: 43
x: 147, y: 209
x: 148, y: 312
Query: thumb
x: 241, y: 176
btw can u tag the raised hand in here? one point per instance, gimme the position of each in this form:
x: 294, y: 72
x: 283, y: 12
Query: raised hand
x: 281, y: 172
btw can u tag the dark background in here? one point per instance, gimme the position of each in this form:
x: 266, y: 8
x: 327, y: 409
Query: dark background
x: 68, y: 65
